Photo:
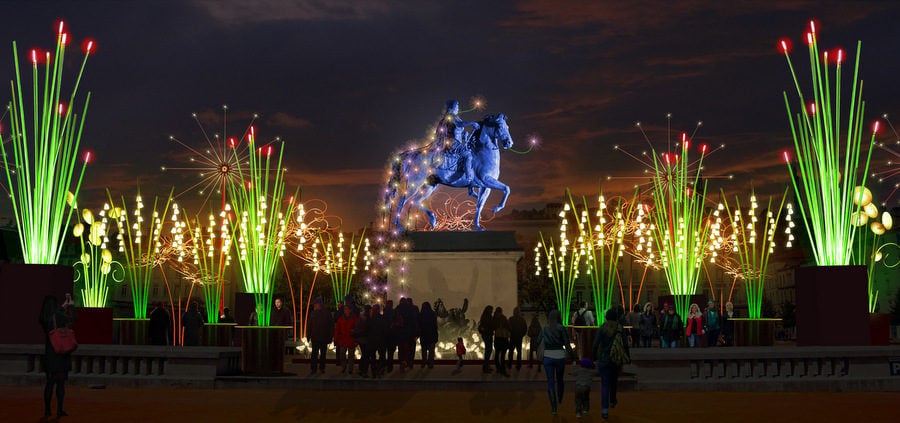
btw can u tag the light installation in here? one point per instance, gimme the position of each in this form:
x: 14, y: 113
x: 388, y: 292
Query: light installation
x: 40, y: 162
x: 96, y: 265
x: 342, y: 260
x: 563, y: 262
x: 258, y: 227
x: 891, y: 168
x: 603, y: 242
x: 753, y: 242
x: 209, y: 246
x: 139, y: 243
x: 830, y: 152
x: 869, y: 242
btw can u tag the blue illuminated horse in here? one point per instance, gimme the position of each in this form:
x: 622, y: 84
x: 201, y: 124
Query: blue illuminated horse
x: 415, y: 174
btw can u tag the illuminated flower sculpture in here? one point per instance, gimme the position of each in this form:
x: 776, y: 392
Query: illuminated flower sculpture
x: 210, y: 252
x: 41, y: 163
x: 869, y: 243
x: 602, y: 243
x: 562, y: 263
x: 829, y: 162
x: 752, y: 242
x: 139, y: 243
x: 342, y: 263
x: 96, y: 263
x: 259, y: 227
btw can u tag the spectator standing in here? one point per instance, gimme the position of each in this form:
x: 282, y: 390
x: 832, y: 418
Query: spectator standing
x: 319, y: 333
x: 486, y: 330
x: 281, y: 316
x: 609, y: 370
x: 694, y: 326
x: 395, y: 326
x: 361, y: 336
x: 517, y: 330
x: 648, y: 325
x: 670, y: 327
x: 711, y: 322
x: 226, y: 316
x: 56, y: 366
x: 428, y: 331
x: 584, y: 317
x: 634, y: 320
x: 460, y: 353
x: 192, y: 325
x: 728, y: 324
x: 556, y: 349
x: 501, y: 340
x: 343, y: 340
x: 160, y: 325
x: 534, y: 330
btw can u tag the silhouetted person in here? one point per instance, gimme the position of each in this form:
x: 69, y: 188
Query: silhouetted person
x: 56, y: 365
x: 160, y: 325
x: 192, y: 325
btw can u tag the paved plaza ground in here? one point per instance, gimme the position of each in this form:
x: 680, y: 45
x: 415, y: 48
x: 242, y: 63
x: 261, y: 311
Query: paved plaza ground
x: 432, y: 396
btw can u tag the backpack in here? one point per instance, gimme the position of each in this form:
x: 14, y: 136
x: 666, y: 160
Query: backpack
x: 617, y: 353
x: 579, y: 319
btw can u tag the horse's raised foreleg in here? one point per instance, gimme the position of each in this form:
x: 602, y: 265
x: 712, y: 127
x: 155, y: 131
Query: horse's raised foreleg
x: 421, y: 195
x: 491, y: 183
x: 479, y: 204
x: 398, y: 211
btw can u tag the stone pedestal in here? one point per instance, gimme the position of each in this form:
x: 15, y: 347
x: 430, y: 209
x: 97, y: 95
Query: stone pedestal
x: 24, y: 287
x: 134, y: 331
x: 262, y: 349
x: 880, y: 328
x: 454, y: 266
x: 218, y: 334
x: 832, y: 306
x: 754, y: 332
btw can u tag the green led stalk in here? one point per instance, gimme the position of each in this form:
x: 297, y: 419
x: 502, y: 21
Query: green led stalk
x: 259, y: 226
x: 869, y: 242
x: 139, y: 243
x: 563, y: 262
x: 753, y: 244
x: 829, y: 162
x: 95, y: 266
x: 682, y: 230
x: 211, y: 255
x: 341, y: 263
x: 41, y: 165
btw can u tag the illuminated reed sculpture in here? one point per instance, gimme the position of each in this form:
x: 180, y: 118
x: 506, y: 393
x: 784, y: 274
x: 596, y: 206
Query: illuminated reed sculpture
x: 342, y: 260
x: 753, y: 242
x: 562, y: 263
x: 869, y: 242
x: 40, y: 162
x: 831, y: 156
x: 210, y: 255
x: 259, y: 227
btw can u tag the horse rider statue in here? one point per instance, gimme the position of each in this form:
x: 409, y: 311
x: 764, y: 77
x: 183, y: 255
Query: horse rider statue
x: 453, y: 126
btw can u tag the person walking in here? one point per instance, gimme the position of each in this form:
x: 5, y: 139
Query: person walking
x: 319, y: 333
x: 694, y: 328
x: 670, y: 327
x: 584, y: 376
x: 56, y: 365
x: 517, y: 330
x: 556, y: 349
x: 486, y: 330
x: 192, y: 325
x: 460, y: 353
x: 534, y: 329
x: 501, y: 340
x: 604, y: 345
x: 343, y: 339
x: 428, y: 334
x: 647, y: 325
x: 711, y: 321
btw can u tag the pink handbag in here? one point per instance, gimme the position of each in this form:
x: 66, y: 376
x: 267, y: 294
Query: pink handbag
x: 62, y: 339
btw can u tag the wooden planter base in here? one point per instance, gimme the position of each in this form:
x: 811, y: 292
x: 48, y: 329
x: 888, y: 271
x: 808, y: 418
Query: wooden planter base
x: 754, y: 332
x: 218, y: 334
x: 133, y: 331
x: 262, y: 349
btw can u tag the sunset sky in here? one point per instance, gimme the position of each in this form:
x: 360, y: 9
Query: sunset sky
x: 347, y: 83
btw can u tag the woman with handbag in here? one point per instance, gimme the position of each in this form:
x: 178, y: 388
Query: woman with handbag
x: 557, y: 349
x: 56, y: 364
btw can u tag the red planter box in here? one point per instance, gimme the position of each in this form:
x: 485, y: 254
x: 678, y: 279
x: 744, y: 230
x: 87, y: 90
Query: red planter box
x: 832, y: 306
x: 24, y: 287
x: 262, y: 349
x: 134, y: 331
x: 94, y: 325
x: 880, y: 329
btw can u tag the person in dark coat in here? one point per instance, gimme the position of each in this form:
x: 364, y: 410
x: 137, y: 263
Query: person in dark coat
x: 226, y: 316
x: 378, y: 329
x: 428, y: 334
x: 192, y: 325
x: 609, y: 371
x: 670, y: 327
x: 394, y: 326
x: 361, y: 336
x: 56, y: 366
x: 486, y: 330
x: 534, y: 329
x: 281, y: 316
x: 160, y: 325
x: 501, y: 340
x: 517, y: 330
x: 319, y: 333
